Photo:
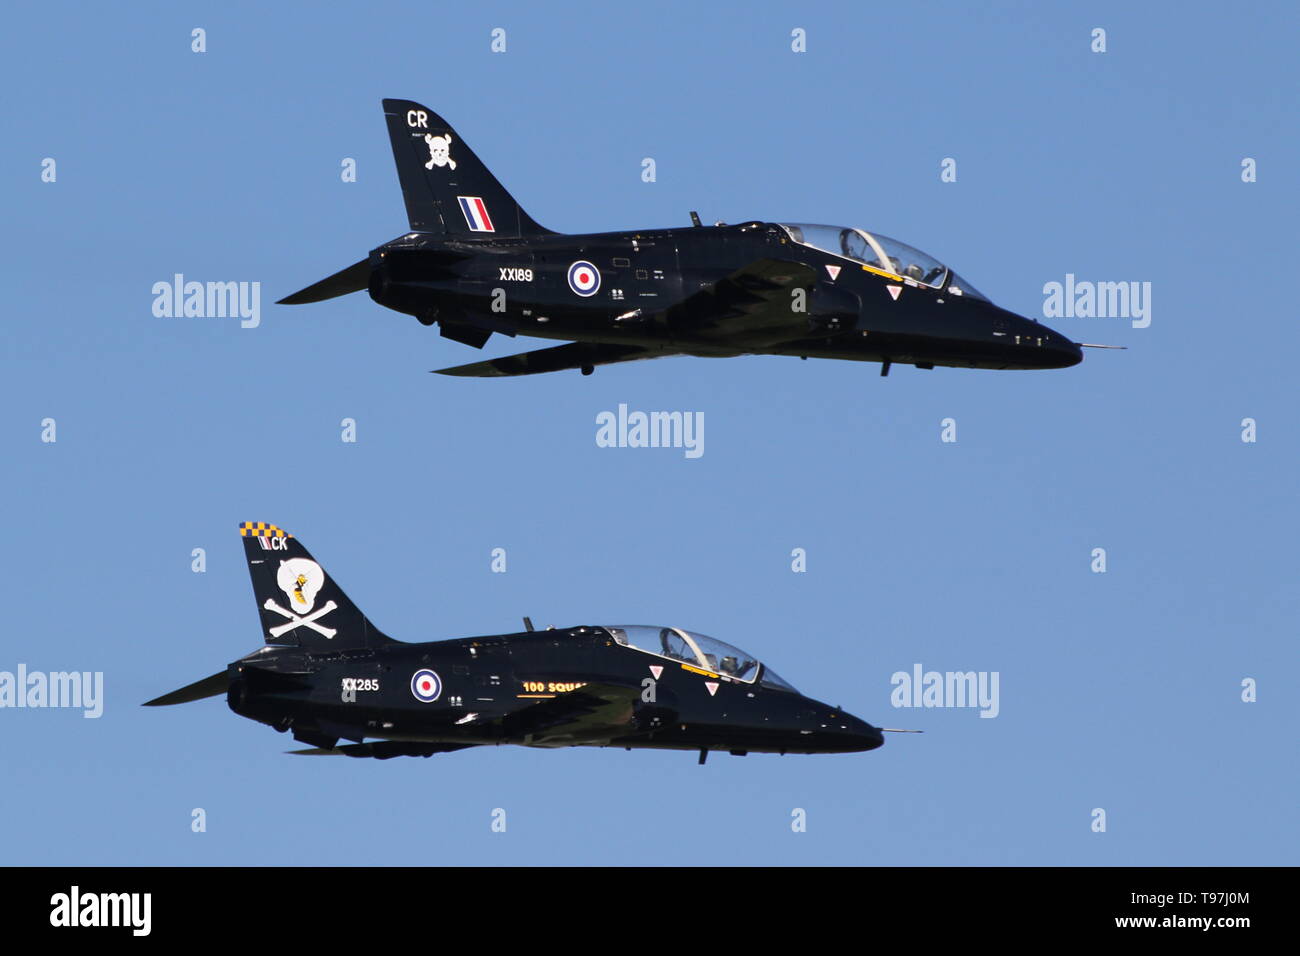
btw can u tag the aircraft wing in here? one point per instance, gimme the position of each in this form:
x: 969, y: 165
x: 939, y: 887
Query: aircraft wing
x: 574, y: 355
x: 757, y: 297
x: 753, y: 305
x: 382, y: 749
x: 592, y: 711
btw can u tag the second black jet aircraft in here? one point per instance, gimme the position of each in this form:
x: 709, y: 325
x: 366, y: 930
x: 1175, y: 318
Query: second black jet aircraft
x: 328, y: 675
x: 475, y: 263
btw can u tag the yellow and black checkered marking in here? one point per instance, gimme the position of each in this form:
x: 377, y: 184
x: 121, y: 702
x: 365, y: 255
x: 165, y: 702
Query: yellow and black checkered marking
x: 260, y: 529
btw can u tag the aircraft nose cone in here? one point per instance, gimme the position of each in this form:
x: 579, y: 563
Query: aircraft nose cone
x: 1068, y: 353
x: 873, y: 738
x: 1062, y: 350
x: 863, y: 735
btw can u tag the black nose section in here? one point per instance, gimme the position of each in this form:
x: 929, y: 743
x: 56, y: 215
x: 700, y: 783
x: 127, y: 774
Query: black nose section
x: 1065, y: 352
x: 864, y: 736
x: 873, y: 738
x: 1056, y: 350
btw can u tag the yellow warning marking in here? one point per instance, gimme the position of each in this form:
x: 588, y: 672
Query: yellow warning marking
x: 882, y: 272
x: 535, y: 696
x: 696, y: 670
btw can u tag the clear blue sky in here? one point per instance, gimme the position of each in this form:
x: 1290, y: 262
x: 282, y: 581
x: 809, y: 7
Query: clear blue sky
x: 1118, y: 690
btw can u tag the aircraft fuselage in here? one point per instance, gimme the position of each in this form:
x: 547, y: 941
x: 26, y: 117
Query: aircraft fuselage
x: 650, y: 289
x: 495, y: 690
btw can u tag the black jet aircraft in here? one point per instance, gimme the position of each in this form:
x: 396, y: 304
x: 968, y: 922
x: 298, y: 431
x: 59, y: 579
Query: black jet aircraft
x: 475, y: 263
x: 328, y: 675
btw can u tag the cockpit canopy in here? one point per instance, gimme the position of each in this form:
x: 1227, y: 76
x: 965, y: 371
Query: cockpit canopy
x: 697, y: 650
x: 879, y: 252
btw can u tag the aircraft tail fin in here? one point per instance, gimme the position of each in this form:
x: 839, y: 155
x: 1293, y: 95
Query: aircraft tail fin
x: 297, y: 602
x: 446, y: 187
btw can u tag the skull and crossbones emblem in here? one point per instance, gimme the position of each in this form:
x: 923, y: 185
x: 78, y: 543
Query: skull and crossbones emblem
x: 439, y: 151
x: 301, y: 580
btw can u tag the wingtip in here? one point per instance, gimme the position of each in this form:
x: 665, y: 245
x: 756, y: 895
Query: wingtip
x: 477, y: 370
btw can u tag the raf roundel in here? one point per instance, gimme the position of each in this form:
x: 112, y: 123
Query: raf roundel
x: 584, y: 278
x: 426, y: 686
